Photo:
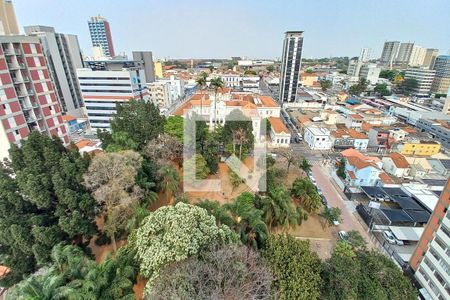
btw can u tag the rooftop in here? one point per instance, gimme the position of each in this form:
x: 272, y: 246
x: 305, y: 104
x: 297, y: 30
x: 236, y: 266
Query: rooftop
x: 399, y: 160
x: 278, y: 125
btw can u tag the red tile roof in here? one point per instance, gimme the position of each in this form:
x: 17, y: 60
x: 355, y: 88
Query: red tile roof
x: 399, y: 160
x: 385, y: 178
x: 351, y: 174
x: 67, y: 118
x: 356, y: 116
x: 278, y: 125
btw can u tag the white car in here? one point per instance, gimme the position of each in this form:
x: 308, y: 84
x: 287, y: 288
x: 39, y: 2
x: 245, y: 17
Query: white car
x: 390, y: 237
x: 343, y: 235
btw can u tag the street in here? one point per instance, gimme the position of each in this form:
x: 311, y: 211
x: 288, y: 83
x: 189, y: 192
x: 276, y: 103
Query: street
x: 334, y: 198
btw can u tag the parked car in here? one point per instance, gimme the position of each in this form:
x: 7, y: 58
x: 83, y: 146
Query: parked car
x: 319, y: 191
x: 389, y: 237
x: 324, y: 200
x: 343, y: 235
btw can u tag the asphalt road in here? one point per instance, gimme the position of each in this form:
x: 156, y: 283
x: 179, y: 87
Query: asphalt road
x: 334, y: 198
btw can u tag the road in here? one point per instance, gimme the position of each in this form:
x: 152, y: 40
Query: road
x: 334, y: 198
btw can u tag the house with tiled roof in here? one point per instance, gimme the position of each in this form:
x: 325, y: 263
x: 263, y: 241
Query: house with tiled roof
x: 354, y: 121
x: 396, y: 164
x: 279, y: 133
x: 345, y: 138
x: 362, y: 170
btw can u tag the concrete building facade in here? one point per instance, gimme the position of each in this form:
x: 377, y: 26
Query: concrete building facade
x: 8, y: 20
x: 404, y: 53
x: 441, y: 82
x: 424, y: 78
x: 101, y: 35
x: 431, y: 258
x: 27, y: 97
x: 290, y: 65
x: 417, y: 57
x: 430, y: 58
x: 390, y: 51
x: 102, y: 90
x: 63, y: 55
x: 370, y: 72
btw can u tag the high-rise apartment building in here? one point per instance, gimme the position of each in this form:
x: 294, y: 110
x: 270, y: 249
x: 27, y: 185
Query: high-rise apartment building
x: 8, y: 21
x: 430, y: 58
x: 431, y: 258
x: 390, y: 51
x: 441, y: 82
x: 370, y: 72
x: 404, y: 53
x: 103, y: 89
x: 424, y: 78
x: 417, y: 57
x: 290, y: 65
x: 354, y: 67
x: 27, y: 97
x: 64, y: 56
x: 101, y: 35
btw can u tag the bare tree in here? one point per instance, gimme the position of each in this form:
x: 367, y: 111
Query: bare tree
x: 165, y: 149
x: 290, y: 156
x: 111, y: 178
x: 229, y: 272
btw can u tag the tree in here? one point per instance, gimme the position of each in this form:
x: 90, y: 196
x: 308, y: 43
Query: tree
x: 227, y: 272
x: 270, y: 68
x: 164, y: 149
x: 170, y: 180
x: 240, y: 138
x: 305, y: 165
x: 174, y: 233
x: 42, y: 203
x: 249, y: 222
x: 358, y: 88
x: 211, y: 150
x: 201, y: 82
x: 219, y: 212
x: 355, y: 239
x: 232, y: 125
x: 216, y: 85
x: 341, y: 168
x: 382, y: 89
x: 388, y: 74
x: 140, y: 120
x: 278, y: 210
x: 74, y: 276
x: 195, y: 168
x: 249, y: 72
x: 325, y: 84
x: 296, y: 269
x: 174, y: 127
x: 111, y: 178
x: 290, y: 156
x: 235, y: 179
x: 304, y: 190
x: 409, y: 85
x: 331, y: 215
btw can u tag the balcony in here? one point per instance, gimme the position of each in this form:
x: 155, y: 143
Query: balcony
x: 21, y: 94
x: 17, y: 80
x: 8, y: 52
x: 13, y: 66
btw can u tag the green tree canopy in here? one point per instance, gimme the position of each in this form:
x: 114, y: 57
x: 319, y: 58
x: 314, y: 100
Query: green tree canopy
x: 304, y: 190
x: 382, y: 89
x: 174, y: 233
x: 174, y: 127
x: 42, y: 203
x: 325, y: 84
x: 140, y: 120
x: 296, y: 269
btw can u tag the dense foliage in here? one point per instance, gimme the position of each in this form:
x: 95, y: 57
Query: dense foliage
x: 296, y: 269
x: 305, y: 191
x: 174, y: 233
x: 42, y: 203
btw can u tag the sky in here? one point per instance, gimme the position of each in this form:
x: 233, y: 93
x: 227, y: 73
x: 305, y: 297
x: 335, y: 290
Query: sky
x: 247, y: 28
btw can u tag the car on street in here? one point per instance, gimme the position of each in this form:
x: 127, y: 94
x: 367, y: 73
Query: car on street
x: 324, y: 200
x: 319, y: 191
x: 343, y: 235
x: 391, y: 239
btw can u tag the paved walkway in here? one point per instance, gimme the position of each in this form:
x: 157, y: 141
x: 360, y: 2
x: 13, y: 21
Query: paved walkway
x: 334, y: 198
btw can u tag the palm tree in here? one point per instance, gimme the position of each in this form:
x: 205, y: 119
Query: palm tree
x: 306, y: 192
x: 218, y: 211
x: 239, y: 137
x: 216, y: 85
x: 201, y: 81
x: 305, y: 165
x: 278, y: 209
x: 171, y: 180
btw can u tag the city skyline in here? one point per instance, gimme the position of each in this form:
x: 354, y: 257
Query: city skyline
x: 244, y: 29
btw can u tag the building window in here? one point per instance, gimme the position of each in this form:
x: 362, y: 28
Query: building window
x: 33, y: 48
x: 37, y: 62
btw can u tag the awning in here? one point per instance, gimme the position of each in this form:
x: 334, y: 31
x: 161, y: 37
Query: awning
x: 407, y: 233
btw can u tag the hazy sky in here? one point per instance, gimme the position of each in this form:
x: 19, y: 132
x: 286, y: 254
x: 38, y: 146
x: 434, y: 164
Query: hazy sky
x: 253, y: 28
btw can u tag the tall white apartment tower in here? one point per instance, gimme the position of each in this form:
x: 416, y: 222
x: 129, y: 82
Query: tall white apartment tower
x: 290, y: 65
x: 390, y: 51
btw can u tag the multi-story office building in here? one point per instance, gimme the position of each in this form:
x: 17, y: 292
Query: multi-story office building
x: 290, y: 65
x: 158, y: 69
x: 431, y: 258
x: 27, y: 98
x: 390, y: 51
x: 370, y: 72
x: 141, y: 61
x: 404, y: 53
x: 64, y: 56
x: 430, y: 58
x: 8, y: 21
x: 417, y: 57
x: 439, y: 129
x: 441, y: 82
x: 101, y: 35
x: 159, y: 94
x: 424, y: 78
x: 102, y: 90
